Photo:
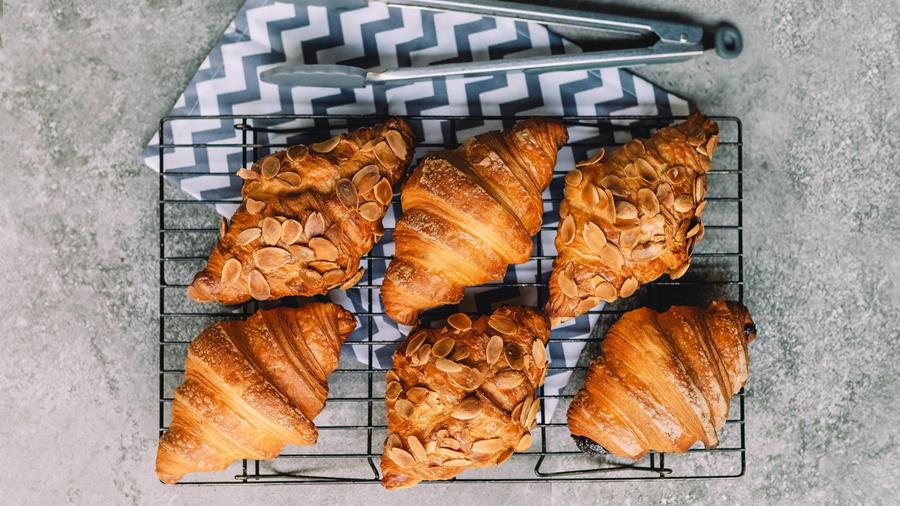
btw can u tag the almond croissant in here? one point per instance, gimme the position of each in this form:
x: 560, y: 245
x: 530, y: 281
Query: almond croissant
x: 464, y: 395
x: 663, y: 381
x: 631, y: 217
x: 309, y: 214
x: 251, y: 387
x: 469, y: 213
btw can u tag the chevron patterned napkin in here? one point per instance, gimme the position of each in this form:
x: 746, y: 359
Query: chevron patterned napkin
x: 266, y: 33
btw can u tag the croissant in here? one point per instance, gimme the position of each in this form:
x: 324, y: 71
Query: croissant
x: 469, y: 213
x: 251, y: 387
x: 308, y: 215
x: 663, y: 381
x: 631, y: 217
x: 464, y: 395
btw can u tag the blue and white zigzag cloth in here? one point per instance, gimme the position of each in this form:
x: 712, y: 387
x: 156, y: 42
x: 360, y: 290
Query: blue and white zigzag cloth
x: 265, y: 34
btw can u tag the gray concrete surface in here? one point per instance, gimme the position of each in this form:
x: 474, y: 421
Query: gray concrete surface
x: 82, y: 85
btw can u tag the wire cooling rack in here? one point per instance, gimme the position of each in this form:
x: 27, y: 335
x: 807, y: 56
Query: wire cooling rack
x: 353, y: 425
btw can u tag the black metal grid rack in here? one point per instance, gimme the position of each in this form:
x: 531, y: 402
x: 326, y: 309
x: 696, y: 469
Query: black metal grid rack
x: 352, y: 427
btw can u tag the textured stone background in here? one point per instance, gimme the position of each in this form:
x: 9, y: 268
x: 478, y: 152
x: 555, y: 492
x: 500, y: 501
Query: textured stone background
x: 82, y: 87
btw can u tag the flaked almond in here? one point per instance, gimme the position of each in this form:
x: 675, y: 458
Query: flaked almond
x: 247, y: 175
x: 327, y: 145
x: 385, y: 155
x: 684, y: 203
x: 567, y: 284
x: 606, y: 210
x: 456, y: 463
x: 700, y: 208
x: 449, y: 442
x: 254, y: 206
x: 574, y: 177
x: 451, y: 453
x: 648, y: 202
x: 593, y: 237
x: 508, y: 378
x: 629, y: 286
x: 416, y: 448
x: 289, y: 178
x: 646, y: 171
x: 524, y: 443
x: 605, y: 291
x: 523, y: 413
x: 333, y: 278
x: 415, y: 341
x: 532, y: 413
x: 460, y: 352
x: 447, y: 366
x: 424, y: 354
x: 488, y: 445
x: 665, y: 195
x: 402, y: 457
x: 431, y: 447
x: 612, y: 257
x: 502, y: 324
x: 259, y: 287
x: 291, y: 230
x: 634, y: 148
x: 615, y: 185
x: 590, y: 195
x: 323, y: 249
x: 443, y: 347
x: 346, y: 193
x: 514, y: 356
x: 646, y: 251
x: 493, y: 349
x: 223, y: 227
x: 301, y: 253
x: 693, y: 230
x: 417, y: 395
x: 392, y: 441
x: 699, y: 188
x: 271, y: 230
x: 459, y: 321
x: 297, y: 153
x: 468, y: 379
x: 517, y: 411
x: 315, y: 225
x: 433, y: 400
x: 711, y: 145
x: 630, y: 170
x: 567, y: 230
x: 249, y: 235
x: 539, y: 353
x: 269, y: 167
x: 323, y: 266
x: 231, y: 271
x: 371, y: 211
x: 366, y: 178
x: 625, y: 210
x: 393, y: 390
x: 383, y: 192
x: 395, y: 141
x: 593, y: 159
x: 271, y: 258
x: 404, y: 408
x: 352, y: 280
x: 467, y: 409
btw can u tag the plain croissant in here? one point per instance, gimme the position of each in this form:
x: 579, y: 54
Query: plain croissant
x: 251, y: 387
x: 630, y: 217
x: 463, y: 396
x: 469, y: 213
x: 308, y: 215
x: 663, y: 381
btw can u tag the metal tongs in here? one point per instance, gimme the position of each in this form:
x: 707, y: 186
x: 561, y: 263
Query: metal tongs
x: 672, y: 42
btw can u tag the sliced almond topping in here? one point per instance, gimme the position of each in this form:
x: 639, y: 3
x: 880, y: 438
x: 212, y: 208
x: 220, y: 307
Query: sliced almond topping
x: 605, y: 291
x: 460, y: 352
x: 433, y: 400
x: 700, y: 208
x: 289, y: 178
x: 592, y: 160
x: 648, y: 202
x: 346, y: 193
x: 385, y: 155
x: 493, y: 349
x: 590, y: 196
x: 301, y: 253
x: 508, y: 378
x: 523, y: 414
x: 631, y: 171
x: 457, y: 463
x: 366, y: 178
x: 612, y: 256
x: 254, y: 206
x: 315, y: 225
x: 404, y: 408
x: 452, y: 453
x: 628, y: 287
x: 443, y: 347
x: 646, y: 251
x: 532, y: 413
x: 247, y: 175
x: 665, y: 195
x: 567, y: 230
x: 396, y: 143
x: 270, y: 167
x: 333, y: 278
x: 693, y: 230
x: 231, y: 271
x: 524, y: 443
x: 468, y: 379
x: 467, y: 409
x: 574, y: 177
x: 416, y: 448
x: 352, y: 280
x: 539, y: 353
x: 502, y: 324
x: 415, y: 341
x: 514, y: 356
x: 271, y: 258
x: 459, y: 321
x: 424, y: 354
x: 699, y: 188
x: 383, y: 192
x: 393, y: 390
x: 626, y: 210
x: 392, y: 441
x: 449, y: 442
x: 606, y: 209
x: 488, y: 445
x: 327, y: 145
x: 684, y: 203
x: 324, y: 249
x: 417, y: 395
x: 615, y: 185
x: 371, y: 211
x: 259, y: 287
x: 635, y: 148
x: 447, y: 365
x: 593, y: 237
x: 711, y: 145
x: 223, y: 227
x: 431, y: 447
x: 402, y: 457
x: 567, y: 285
x: 291, y: 230
x: 298, y: 152
x: 271, y: 230
x: 646, y: 171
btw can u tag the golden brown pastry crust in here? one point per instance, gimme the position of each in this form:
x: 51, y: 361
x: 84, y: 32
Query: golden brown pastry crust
x: 449, y: 408
x: 251, y: 387
x: 663, y: 381
x: 630, y: 217
x: 469, y: 213
x: 309, y: 214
